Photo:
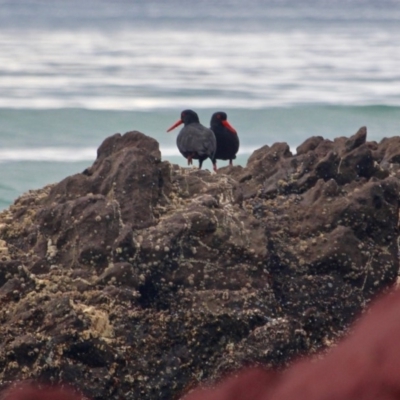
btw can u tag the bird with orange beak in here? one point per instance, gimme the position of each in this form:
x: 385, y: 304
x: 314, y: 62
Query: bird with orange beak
x: 194, y: 140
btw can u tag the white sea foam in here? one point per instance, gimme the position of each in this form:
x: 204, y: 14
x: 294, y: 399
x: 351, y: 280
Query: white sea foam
x: 155, y: 69
x: 173, y: 151
x: 53, y: 154
x: 65, y: 154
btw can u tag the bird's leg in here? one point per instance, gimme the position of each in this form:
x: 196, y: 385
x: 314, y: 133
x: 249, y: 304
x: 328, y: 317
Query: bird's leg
x: 190, y: 159
x: 200, y: 163
x: 215, y: 166
x: 230, y: 163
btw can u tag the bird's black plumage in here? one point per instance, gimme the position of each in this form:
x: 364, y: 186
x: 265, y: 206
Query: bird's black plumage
x: 226, y: 137
x: 194, y: 140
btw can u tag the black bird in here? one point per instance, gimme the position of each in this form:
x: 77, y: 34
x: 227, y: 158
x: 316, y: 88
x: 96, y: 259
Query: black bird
x: 227, y: 138
x: 195, y: 141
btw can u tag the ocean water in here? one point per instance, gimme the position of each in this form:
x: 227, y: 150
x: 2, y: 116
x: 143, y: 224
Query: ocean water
x: 73, y: 73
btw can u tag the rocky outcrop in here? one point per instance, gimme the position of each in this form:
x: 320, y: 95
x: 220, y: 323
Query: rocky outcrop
x: 141, y: 279
x: 364, y: 366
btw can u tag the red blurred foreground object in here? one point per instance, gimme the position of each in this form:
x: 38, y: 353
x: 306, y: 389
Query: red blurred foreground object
x: 365, y: 366
x: 26, y: 392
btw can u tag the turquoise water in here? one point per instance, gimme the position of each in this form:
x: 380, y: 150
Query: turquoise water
x: 73, y: 73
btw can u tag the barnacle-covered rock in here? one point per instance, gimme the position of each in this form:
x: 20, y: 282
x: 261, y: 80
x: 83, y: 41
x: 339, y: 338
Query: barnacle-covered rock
x: 139, y: 279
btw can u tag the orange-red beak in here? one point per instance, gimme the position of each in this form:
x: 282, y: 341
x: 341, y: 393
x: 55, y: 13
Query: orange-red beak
x: 229, y: 126
x: 177, y: 123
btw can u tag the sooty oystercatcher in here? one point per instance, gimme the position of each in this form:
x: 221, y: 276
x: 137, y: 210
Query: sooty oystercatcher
x: 226, y: 136
x: 195, y: 141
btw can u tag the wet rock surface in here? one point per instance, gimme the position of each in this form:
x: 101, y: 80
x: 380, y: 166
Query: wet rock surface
x: 142, y: 279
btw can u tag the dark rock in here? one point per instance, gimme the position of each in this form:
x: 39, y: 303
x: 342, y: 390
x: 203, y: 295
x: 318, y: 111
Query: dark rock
x: 127, y: 173
x: 358, y: 371
x: 310, y: 144
x: 356, y: 140
x: 143, y: 278
x: 122, y: 273
x: 357, y: 163
x: 7, y: 270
